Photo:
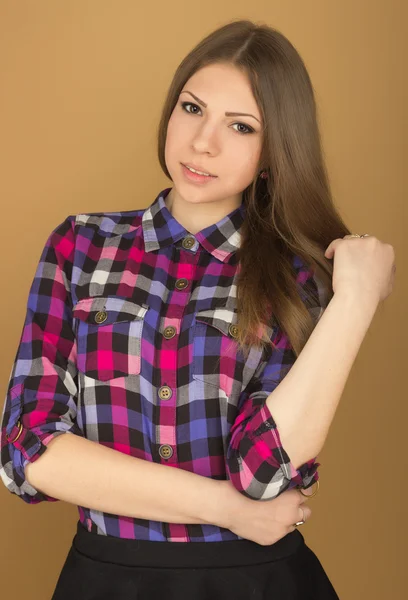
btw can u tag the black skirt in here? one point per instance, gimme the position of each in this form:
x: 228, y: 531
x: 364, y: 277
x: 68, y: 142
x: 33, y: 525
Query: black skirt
x: 102, y: 567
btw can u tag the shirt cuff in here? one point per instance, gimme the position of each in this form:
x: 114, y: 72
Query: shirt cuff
x: 265, y: 433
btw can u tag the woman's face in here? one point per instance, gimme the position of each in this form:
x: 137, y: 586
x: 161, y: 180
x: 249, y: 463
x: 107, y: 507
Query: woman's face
x: 226, y: 146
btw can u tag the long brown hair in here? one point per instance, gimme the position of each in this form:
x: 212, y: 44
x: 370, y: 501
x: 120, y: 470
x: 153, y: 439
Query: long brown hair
x: 292, y: 211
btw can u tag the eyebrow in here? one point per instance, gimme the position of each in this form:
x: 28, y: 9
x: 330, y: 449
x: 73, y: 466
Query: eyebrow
x: 227, y: 114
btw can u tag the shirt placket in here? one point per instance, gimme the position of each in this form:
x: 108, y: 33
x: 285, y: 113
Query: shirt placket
x: 166, y: 434
x: 166, y: 431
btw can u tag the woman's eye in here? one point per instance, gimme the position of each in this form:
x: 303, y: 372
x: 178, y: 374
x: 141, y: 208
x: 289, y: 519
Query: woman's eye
x: 248, y: 129
x: 184, y: 104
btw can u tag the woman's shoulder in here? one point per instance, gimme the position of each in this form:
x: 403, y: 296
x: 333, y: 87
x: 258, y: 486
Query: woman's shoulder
x: 109, y: 220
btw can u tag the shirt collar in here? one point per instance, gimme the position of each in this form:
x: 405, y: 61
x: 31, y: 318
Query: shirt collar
x: 161, y: 229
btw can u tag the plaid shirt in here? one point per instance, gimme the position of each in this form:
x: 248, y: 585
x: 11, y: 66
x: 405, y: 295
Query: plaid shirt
x: 128, y: 340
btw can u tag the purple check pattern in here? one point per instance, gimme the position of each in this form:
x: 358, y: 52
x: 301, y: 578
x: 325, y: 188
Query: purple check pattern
x: 129, y: 341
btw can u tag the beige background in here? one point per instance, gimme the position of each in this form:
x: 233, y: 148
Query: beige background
x: 82, y: 85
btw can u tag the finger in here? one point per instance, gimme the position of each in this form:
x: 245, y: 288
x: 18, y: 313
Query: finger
x: 305, y: 494
x: 304, y: 513
x: 331, y: 248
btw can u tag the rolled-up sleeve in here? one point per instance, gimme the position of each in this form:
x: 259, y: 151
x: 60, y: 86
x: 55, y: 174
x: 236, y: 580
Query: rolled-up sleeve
x: 257, y: 464
x: 41, y: 395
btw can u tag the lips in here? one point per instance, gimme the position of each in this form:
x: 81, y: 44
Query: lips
x: 197, y: 168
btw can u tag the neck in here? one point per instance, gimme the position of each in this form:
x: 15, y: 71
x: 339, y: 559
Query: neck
x: 195, y: 217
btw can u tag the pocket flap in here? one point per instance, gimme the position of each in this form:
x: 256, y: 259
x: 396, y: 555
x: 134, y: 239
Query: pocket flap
x: 221, y: 318
x: 117, y: 309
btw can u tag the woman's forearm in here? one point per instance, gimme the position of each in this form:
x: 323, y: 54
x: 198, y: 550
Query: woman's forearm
x: 304, y: 403
x: 89, y: 474
x: 86, y: 473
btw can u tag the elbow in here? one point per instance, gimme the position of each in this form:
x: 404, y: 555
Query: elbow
x: 31, y: 472
x: 14, y: 469
x: 266, y: 483
x: 35, y: 477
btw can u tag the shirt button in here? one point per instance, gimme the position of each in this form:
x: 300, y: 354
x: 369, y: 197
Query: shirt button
x: 165, y: 392
x: 233, y: 330
x: 101, y: 316
x: 166, y: 451
x: 181, y: 284
x: 188, y: 242
x: 169, y: 332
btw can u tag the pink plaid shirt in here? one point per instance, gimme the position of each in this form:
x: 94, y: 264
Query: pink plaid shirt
x: 129, y: 340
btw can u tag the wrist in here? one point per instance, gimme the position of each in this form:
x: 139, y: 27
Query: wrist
x: 225, y: 505
x: 215, y: 508
x: 354, y: 297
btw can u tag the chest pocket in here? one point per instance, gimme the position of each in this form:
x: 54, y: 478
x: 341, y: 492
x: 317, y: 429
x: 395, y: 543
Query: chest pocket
x: 109, y: 333
x: 216, y: 358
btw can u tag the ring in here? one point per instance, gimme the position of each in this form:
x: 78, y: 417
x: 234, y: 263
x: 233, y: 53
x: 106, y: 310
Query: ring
x: 300, y: 522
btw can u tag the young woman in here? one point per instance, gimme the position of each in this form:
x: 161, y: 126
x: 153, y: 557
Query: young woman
x: 212, y: 332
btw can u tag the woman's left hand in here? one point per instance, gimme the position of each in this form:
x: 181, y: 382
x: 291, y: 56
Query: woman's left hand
x: 362, y: 265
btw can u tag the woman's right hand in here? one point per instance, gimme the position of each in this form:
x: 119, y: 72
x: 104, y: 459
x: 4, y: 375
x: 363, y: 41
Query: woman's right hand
x: 263, y: 522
